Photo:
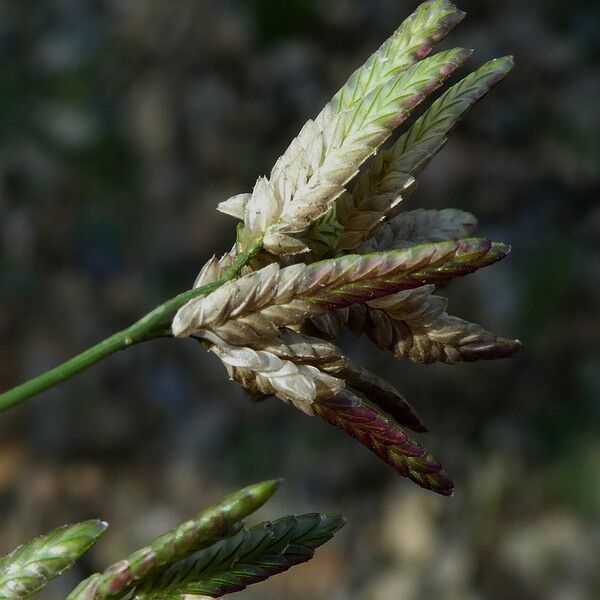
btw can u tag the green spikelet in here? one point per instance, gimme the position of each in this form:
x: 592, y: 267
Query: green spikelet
x: 411, y: 42
x: 251, y: 556
x: 391, y: 176
x: 31, y: 566
x: 209, y: 526
x: 417, y: 146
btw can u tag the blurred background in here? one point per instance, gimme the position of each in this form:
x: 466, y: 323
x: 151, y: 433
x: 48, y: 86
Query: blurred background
x: 124, y: 122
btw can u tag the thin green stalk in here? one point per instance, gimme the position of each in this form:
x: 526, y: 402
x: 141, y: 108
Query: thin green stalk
x: 153, y: 325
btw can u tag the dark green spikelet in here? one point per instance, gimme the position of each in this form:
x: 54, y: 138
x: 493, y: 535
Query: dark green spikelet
x: 253, y: 555
x: 31, y: 566
x: 209, y: 526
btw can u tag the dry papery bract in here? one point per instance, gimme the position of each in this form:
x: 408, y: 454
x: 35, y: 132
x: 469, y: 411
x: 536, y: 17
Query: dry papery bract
x: 336, y: 250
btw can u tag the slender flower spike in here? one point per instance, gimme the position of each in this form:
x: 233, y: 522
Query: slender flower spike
x: 414, y: 324
x: 297, y: 384
x: 414, y: 149
x: 305, y: 350
x: 411, y: 42
x: 256, y: 305
x: 385, y: 438
x: 209, y: 526
x: 30, y: 567
x: 251, y: 556
x: 379, y: 189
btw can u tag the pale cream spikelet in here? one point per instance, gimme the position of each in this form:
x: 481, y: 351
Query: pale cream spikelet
x: 298, y: 196
x: 391, y: 174
x: 302, y: 349
x: 258, y: 304
x: 213, y: 270
x: 360, y: 215
x: 265, y: 372
x: 411, y: 42
x: 300, y: 165
x: 420, y: 226
x: 414, y: 324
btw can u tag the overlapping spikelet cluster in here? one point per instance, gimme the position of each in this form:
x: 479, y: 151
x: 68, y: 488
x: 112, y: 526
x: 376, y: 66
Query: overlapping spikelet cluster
x: 209, y: 556
x: 337, y: 252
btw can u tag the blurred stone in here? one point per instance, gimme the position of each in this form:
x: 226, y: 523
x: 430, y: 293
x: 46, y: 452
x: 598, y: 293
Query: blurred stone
x: 553, y: 548
x: 393, y: 586
x: 408, y: 526
x: 70, y: 126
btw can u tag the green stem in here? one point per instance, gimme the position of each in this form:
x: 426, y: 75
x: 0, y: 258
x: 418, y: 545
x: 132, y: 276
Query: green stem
x: 153, y: 325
